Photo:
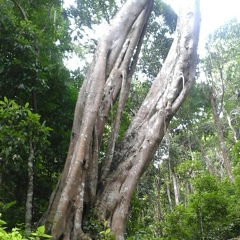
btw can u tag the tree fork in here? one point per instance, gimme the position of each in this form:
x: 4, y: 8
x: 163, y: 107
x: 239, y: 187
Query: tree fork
x: 133, y: 155
x: 108, y: 77
x: 63, y: 218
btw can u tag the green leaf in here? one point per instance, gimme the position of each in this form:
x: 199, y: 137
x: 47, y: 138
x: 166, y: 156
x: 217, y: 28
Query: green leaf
x: 2, y: 232
x: 27, y: 105
x: 2, y: 222
x: 5, y: 100
x: 41, y: 230
x: 46, y: 235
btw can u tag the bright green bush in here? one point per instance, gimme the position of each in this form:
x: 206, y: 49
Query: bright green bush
x: 17, y: 233
x: 212, y: 212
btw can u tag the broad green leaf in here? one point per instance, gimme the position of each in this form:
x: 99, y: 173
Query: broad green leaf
x: 2, y: 222
x: 41, y: 230
x: 27, y: 105
x: 5, y: 100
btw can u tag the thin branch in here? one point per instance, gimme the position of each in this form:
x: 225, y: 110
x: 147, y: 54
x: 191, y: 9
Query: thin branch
x: 223, y: 90
x: 20, y: 9
x: 49, y: 14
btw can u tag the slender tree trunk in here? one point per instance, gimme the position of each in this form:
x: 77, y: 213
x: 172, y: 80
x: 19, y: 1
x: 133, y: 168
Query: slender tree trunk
x: 29, y: 200
x: 231, y: 127
x: 226, y: 160
x: 172, y: 176
x: 108, y: 188
x: 190, y: 146
x: 34, y: 100
x: 169, y: 197
x: 175, y: 188
x: 159, y: 208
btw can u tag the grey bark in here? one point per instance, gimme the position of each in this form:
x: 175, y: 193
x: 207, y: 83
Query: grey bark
x: 112, y: 67
x: 133, y: 155
x: 108, y: 188
x: 29, y: 200
x: 175, y: 188
x: 229, y: 120
x: 169, y: 197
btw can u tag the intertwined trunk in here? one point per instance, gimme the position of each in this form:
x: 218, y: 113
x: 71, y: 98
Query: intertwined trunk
x: 107, y: 187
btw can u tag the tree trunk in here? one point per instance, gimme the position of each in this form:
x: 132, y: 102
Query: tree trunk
x: 175, y: 188
x: 169, y: 196
x: 108, y: 188
x: 226, y: 160
x: 229, y: 120
x: 159, y: 207
x: 28, y: 214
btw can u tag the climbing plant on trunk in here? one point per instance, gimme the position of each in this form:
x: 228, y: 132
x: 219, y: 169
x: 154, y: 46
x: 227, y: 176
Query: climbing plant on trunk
x: 88, y: 185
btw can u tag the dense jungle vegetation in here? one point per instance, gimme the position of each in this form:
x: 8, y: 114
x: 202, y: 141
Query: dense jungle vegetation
x: 191, y: 189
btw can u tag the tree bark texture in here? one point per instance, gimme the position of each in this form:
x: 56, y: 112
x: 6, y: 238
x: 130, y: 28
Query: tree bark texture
x: 169, y: 196
x: 107, y: 187
x: 159, y: 207
x: 229, y: 120
x: 29, y: 200
x: 175, y: 188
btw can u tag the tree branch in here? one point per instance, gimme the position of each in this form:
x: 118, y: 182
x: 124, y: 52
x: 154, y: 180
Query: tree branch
x: 20, y: 9
x: 49, y: 14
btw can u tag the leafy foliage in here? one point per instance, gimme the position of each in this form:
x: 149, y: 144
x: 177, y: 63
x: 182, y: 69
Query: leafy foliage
x: 158, y: 39
x: 211, y: 212
x: 19, y: 126
x: 17, y: 233
x: 35, y: 37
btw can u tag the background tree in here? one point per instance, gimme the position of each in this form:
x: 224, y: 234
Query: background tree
x: 222, y: 55
x: 194, y: 124
x: 34, y: 39
x: 23, y: 139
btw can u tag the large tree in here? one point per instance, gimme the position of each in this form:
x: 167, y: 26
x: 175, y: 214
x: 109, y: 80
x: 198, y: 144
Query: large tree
x: 103, y: 188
